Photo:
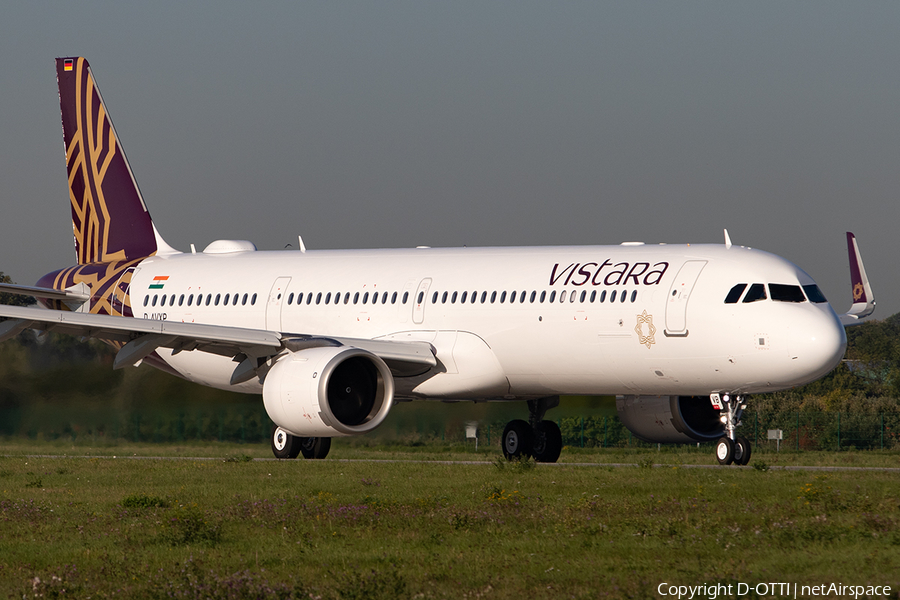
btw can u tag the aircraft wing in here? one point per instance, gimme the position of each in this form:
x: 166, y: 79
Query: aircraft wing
x: 863, y: 298
x: 141, y: 337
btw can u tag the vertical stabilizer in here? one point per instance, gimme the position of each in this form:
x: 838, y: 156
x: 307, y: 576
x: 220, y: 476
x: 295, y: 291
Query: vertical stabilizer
x: 863, y: 298
x: 109, y: 218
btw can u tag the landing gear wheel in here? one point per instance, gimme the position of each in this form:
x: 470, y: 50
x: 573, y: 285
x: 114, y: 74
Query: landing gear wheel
x: 517, y: 440
x: 315, y: 447
x: 547, y: 442
x: 284, y: 445
x: 725, y: 451
x: 741, y: 451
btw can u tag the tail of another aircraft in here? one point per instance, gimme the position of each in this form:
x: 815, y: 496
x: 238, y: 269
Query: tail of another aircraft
x: 109, y: 218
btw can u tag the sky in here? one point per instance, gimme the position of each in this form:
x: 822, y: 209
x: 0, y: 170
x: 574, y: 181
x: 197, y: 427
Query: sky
x: 397, y: 124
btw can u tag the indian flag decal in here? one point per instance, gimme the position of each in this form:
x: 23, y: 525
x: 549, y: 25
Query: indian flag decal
x: 158, y: 282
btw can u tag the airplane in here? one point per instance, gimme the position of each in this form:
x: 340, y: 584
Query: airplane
x: 681, y: 334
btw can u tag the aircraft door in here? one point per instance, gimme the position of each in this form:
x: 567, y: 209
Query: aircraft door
x: 679, y: 294
x: 419, y: 300
x: 121, y: 300
x: 276, y: 300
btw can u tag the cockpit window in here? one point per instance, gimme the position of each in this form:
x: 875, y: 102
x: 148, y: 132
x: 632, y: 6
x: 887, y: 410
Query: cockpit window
x: 756, y: 293
x: 814, y: 293
x: 786, y: 293
x: 735, y: 294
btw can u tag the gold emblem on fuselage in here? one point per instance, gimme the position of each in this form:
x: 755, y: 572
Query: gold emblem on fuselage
x: 645, y: 323
x: 858, y: 291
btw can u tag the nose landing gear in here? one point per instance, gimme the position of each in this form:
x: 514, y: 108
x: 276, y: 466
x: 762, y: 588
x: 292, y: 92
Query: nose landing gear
x: 537, y: 438
x: 731, y: 449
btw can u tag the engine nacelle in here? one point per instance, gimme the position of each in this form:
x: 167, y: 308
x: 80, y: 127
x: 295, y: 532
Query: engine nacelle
x: 670, y: 419
x: 329, y: 392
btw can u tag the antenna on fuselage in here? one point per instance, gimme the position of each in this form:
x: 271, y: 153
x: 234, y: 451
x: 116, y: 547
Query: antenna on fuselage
x: 302, y: 245
x: 727, y: 240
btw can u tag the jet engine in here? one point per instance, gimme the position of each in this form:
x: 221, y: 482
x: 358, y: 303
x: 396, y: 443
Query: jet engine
x: 670, y: 419
x: 328, y: 392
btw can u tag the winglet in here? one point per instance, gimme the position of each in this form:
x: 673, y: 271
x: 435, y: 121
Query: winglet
x: 863, y: 298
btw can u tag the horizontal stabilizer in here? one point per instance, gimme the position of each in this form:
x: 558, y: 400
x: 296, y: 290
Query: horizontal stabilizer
x: 72, y: 294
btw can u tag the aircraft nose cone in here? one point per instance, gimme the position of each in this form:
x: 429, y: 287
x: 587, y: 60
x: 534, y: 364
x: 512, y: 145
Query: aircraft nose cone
x: 817, y: 342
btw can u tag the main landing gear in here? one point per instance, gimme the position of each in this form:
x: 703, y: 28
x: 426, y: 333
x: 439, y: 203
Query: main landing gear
x: 536, y: 437
x: 731, y: 449
x: 286, y: 445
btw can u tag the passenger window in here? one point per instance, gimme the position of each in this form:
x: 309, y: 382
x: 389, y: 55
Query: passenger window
x: 243, y: 300
x: 219, y: 297
x: 462, y: 299
x: 290, y: 298
x: 228, y: 296
x: 234, y: 301
x: 419, y: 301
x: 208, y: 299
x: 786, y: 293
x: 572, y: 296
x: 624, y: 296
x: 327, y: 298
x: 493, y: 297
x: 522, y: 297
x: 405, y: 297
x: 356, y: 298
x: 562, y: 296
x: 181, y: 300
x: 593, y: 296
x: 603, y: 296
x: 533, y: 296
x: 393, y: 298
x: 634, y: 295
x: 365, y: 298
x: 583, y: 295
x: 375, y: 298
x: 612, y: 296
x: 502, y: 297
x: 384, y: 297
x: 552, y: 296
x: 814, y: 293
x: 474, y: 297
x: 434, y: 298
x: 172, y: 300
x: 734, y: 294
x: 756, y: 293
x: 253, y: 299
x: 453, y: 298
x: 543, y: 296
x: 483, y: 297
x: 444, y: 298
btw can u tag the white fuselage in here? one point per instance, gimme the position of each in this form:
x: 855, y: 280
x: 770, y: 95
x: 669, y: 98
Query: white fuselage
x: 568, y: 331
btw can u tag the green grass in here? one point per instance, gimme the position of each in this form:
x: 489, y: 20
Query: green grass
x: 233, y: 528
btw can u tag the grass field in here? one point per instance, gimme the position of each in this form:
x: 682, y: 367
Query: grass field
x: 90, y: 525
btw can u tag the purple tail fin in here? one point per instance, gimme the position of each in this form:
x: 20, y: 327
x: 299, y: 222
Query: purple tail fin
x: 109, y: 218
